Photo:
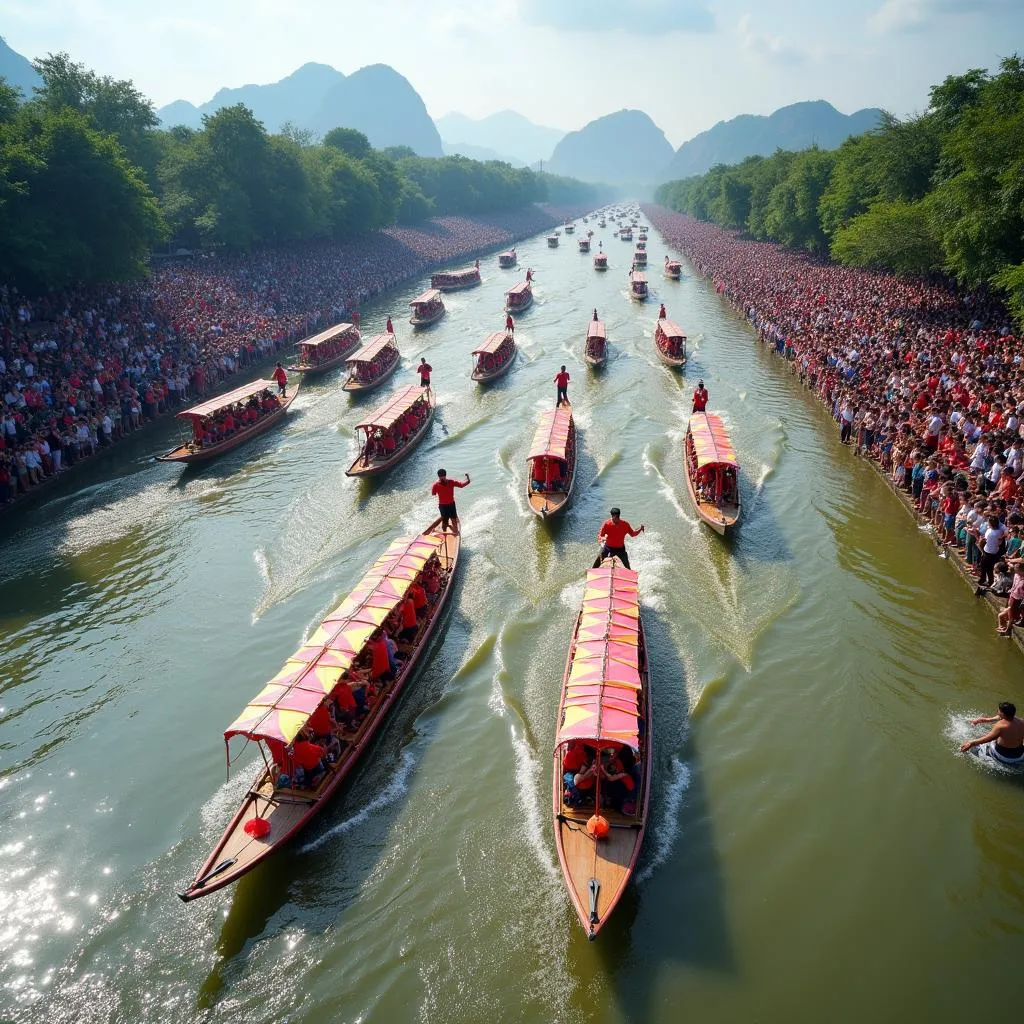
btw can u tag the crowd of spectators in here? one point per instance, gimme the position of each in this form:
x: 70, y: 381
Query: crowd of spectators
x: 81, y: 369
x: 922, y: 377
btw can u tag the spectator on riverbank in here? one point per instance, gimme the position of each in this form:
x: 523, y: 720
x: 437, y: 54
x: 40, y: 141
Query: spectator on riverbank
x: 81, y: 369
x: 923, y: 377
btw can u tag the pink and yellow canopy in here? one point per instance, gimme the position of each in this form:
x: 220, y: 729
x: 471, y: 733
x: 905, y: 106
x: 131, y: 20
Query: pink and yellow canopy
x: 602, y: 691
x: 670, y: 328
x: 596, y: 330
x: 372, y: 349
x: 213, y: 405
x: 492, y: 344
x: 398, y: 405
x: 282, y: 708
x: 552, y: 436
x: 711, y: 441
x: 337, y: 331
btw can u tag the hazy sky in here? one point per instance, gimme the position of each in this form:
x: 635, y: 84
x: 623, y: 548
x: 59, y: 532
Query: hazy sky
x: 687, y: 63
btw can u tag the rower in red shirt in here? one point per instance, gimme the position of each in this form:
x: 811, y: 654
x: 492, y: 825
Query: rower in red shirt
x: 424, y: 369
x: 445, y: 491
x: 282, y: 380
x: 510, y: 324
x: 613, y: 535
x: 562, y: 383
x: 700, y: 397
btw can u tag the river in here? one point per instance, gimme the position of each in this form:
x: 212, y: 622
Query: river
x: 816, y: 848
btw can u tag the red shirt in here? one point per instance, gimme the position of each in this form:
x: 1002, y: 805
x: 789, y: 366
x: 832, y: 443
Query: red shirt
x: 418, y: 595
x: 320, y: 721
x: 700, y: 399
x: 562, y: 379
x: 280, y: 376
x: 379, y: 653
x: 408, y: 614
x: 445, y: 490
x: 424, y: 369
x: 307, y: 755
x: 615, y: 533
x: 342, y: 693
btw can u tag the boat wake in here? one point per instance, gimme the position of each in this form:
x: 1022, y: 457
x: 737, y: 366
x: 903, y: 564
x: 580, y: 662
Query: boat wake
x: 666, y: 490
x: 649, y: 559
x: 528, y: 781
x: 667, y: 831
x: 394, y: 790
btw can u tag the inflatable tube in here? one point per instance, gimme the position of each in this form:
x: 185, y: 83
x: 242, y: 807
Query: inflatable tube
x: 991, y: 752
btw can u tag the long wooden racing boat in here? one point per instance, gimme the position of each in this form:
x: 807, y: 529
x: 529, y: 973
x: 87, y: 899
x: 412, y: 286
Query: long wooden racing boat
x: 551, y: 463
x: 324, y: 351
x: 218, y: 414
x: 272, y: 812
x: 519, y: 298
x: 494, y: 358
x: 604, y: 729
x: 600, y: 261
x: 456, y: 280
x: 507, y: 259
x: 392, y: 432
x: 670, y: 343
x: 712, y: 472
x: 595, y: 351
x: 372, y: 364
x: 673, y: 269
x: 638, y: 285
x: 427, y: 308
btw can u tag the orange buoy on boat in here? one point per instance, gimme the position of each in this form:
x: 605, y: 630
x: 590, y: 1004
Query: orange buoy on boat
x: 257, y: 828
x: 598, y: 826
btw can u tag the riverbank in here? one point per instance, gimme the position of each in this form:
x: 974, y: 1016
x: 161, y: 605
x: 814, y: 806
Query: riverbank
x: 198, y: 327
x: 880, y: 345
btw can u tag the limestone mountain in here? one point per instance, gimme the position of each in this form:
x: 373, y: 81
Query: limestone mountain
x: 626, y: 147
x: 376, y: 100
x: 814, y: 122
x: 17, y: 70
x: 506, y: 132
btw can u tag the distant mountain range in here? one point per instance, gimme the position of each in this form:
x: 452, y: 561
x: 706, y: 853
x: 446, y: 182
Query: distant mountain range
x: 17, y: 71
x: 626, y: 147
x: 376, y: 100
x: 506, y: 132
x: 797, y: 126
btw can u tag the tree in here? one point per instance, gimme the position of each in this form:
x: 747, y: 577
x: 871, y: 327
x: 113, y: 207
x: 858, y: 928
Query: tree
x: 351, y: 142
x: 891, y: 235
x: 300, y: 136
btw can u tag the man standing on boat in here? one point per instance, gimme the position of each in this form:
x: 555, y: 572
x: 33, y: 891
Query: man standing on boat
x: 562, y: 383
x: 700, y: 397
x: 424, y: 370
x: 529, y: 273
x: 282, y: 380
x: 510, y: 324
x: 662, y: 315
x: 595, y: 316
x: 390, y: 327
x: 445, y: 491
x: 613, y: 535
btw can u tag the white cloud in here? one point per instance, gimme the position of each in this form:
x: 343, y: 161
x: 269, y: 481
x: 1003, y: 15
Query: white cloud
x: 767, y: 47
x: 636, y: 17
x: 915, y: 15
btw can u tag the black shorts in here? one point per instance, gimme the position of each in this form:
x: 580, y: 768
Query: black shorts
x: 447, y: 511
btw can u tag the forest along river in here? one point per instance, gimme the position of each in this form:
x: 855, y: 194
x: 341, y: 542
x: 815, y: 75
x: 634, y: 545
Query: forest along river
x: 814, y: 840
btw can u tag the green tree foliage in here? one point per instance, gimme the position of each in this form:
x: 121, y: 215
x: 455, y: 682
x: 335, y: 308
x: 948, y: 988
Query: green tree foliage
x: 890, y: 235
x: 89, y: 183
x: 942, y: 189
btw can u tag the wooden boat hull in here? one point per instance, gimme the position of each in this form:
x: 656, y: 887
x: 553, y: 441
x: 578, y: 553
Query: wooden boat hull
x: 638, y: 297
x: 721, y: 519
x: 519, y: 309
x: 358, y: 386
x: 673, y: 275
x: 676, y: 362
x: 595, y: 362
x: 327, y: 364
x: 289, y: 812
x: 506, y: 264
x: 487, y: 378
x: 426, y: 321
x: 186, y: 454
x: 459, y: 286
x: 600, y: 266
x: 363, y: 468
x: 611, y: 860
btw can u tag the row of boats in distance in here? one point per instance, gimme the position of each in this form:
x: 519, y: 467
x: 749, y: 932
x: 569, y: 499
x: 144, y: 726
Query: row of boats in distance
x: 316, y: 717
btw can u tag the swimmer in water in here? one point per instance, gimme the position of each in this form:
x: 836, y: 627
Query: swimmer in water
x: 1007, y: 731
